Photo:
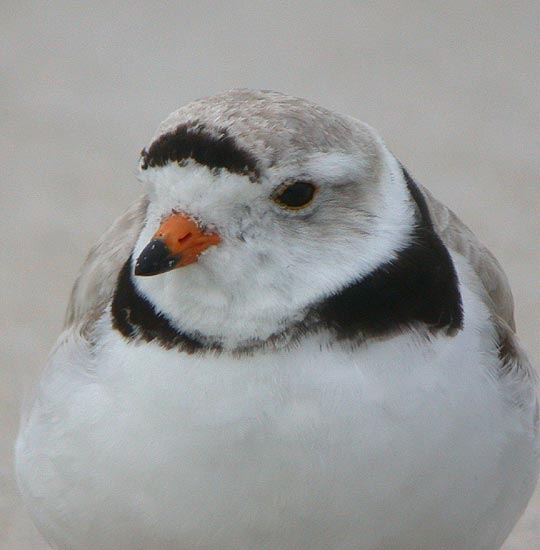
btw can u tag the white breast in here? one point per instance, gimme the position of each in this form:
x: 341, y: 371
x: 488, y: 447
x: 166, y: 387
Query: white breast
x: 402, y: 444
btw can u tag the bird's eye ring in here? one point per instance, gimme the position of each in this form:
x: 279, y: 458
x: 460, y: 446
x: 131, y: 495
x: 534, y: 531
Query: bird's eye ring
x: 295, y: 195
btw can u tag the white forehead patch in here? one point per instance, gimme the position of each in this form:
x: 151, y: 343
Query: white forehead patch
x: 196, y: 189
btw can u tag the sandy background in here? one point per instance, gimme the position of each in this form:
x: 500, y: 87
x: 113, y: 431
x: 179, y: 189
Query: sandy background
x: 453, y: 87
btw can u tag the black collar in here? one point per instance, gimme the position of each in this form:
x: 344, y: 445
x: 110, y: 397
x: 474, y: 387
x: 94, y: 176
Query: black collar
x: 417, y: 289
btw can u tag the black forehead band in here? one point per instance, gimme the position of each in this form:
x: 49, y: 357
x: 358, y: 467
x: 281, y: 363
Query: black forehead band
x: 216, y: 150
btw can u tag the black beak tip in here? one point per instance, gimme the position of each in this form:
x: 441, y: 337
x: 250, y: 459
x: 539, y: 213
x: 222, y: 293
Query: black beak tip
x: 156, y: 258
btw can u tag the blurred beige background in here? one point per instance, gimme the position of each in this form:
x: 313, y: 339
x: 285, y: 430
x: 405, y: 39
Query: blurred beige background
x: 453, y: 87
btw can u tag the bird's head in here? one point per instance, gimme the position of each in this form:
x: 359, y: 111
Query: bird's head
x: 261, y: 205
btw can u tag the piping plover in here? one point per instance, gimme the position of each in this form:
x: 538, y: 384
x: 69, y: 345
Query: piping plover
x: 287, y: 343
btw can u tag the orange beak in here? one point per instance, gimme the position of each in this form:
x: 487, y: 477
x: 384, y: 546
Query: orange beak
x: 178, y: 242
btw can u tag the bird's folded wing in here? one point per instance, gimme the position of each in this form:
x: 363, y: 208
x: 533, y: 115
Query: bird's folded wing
x: 459, y: 238
x: 95, y: 284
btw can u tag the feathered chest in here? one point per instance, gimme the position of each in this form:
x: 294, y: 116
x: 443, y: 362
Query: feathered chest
x: 140, y: 443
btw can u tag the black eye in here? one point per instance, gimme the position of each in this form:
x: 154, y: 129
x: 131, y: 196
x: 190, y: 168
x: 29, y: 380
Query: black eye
x: 295, y: 195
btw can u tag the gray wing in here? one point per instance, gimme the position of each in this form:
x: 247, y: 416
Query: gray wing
x: 459, y: 238
x: 513, y: 361
x: 96, y: 281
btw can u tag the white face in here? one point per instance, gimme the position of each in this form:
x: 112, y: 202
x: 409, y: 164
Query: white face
x: 272, y: 261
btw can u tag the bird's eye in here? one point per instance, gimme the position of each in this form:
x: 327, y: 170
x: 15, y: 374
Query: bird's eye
x: 296, y: 195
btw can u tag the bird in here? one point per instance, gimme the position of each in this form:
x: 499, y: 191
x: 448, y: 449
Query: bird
x: 286, y: 343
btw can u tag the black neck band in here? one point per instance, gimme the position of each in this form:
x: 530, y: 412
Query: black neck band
x: 418, y: 288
